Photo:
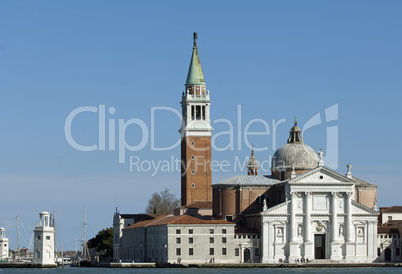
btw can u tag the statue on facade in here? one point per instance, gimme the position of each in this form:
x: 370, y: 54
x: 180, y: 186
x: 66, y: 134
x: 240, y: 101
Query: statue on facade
x: 341, y: 230
x: 299, y: 231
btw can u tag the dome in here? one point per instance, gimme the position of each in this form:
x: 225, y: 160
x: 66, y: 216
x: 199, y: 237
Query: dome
x: 300, y: 156
x: 295, y: 153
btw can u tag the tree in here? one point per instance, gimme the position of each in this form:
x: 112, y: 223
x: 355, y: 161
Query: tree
x: 103, y: 241
x: 162, y: 203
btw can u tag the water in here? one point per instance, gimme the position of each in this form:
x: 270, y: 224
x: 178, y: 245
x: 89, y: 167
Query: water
x: 82, y: 270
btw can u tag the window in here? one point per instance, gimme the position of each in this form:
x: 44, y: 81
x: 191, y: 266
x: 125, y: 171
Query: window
x: 223, y: 231
x: 190, y: 240
x: 190, y: 251
x: 257, y: 252
x: 193, y: 185
x: 203, y: 112
x: 389, y: 218
x: 178, y: 251
x: 229, y: 218
x: 198, y: 112
x: 47, y: 237
x: 178, y: 241
x: 190, y: 231
x: 211, y: 240
x: 192, y: 157
x: 5, y: 245
x: 211, y: 251
x: 237, y: 252
x: 38, y: 237
x: 211, y: 231
x: 223, y: 250
x: 398, y: 251
x: 378, y: 252
x: 177, y: 231
x: 282, y: 175
x: 192, y: 143
x: 224, y: 240
x: 192, y: 172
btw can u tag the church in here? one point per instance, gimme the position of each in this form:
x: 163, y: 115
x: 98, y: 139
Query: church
x: 302, y: 211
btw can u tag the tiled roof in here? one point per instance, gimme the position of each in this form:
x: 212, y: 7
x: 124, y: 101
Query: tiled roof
x: 145, y: 222
x: 171, y: 219
x: 394, y: 209
x: 186, y: 219
x: 200, y: 205
x: 139, y: 217
x: 394, y: 222
x: 360, y: 182
x: 387, y: 229
x: 250, y: 180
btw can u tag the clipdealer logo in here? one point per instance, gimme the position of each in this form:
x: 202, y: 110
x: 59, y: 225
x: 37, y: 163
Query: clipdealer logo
x: 107, y: 140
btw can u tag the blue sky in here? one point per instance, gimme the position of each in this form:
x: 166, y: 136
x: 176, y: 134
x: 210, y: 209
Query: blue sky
x: 276, y: 59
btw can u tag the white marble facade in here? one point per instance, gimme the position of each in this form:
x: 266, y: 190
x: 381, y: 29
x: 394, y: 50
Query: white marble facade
x: 319, y: 220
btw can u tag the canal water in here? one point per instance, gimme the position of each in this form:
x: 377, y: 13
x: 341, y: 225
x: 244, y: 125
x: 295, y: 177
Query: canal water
x: 72, y: 270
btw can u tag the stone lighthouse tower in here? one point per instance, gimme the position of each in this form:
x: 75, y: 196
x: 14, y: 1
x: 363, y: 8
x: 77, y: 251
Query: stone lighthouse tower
x: 3, y: 245
x: 195, y: 136
x: 44, y: 240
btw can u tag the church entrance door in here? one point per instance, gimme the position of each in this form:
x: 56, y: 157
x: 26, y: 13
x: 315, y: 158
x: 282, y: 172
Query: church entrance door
x: 246, y: 255
x: 319, y: 246
x: 387, y: 254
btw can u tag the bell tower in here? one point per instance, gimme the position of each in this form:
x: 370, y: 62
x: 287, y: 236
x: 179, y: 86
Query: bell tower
x: 195, y: 133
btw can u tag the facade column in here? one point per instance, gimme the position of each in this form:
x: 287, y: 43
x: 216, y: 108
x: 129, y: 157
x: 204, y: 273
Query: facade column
x: 334, y: 216
x: 265, y: 241
x: 350, y: 247
x: 308, y: 244
x: 336, y: 253
x: 307, y: 222
x: 292, y: 228
x: 370, y: 240
x: 271, y: 235
x: 293, y: 245
x: 348, y: 225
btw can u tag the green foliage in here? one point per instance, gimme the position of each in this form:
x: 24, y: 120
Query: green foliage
x: 103, y: 241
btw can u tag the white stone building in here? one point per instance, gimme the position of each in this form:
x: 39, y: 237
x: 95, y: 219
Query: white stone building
x: 174, y: 239
x: 247, y: 245
x: 389, y: 242
x: 44, y: 240
x: 319, y: 220
x: 3, y: 245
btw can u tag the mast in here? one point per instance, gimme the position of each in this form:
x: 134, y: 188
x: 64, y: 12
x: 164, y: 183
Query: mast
x: 55, y: 235
x: 76, y: 252
x: 84, y: 240
x: 62, y: 255
x: 18, y: 238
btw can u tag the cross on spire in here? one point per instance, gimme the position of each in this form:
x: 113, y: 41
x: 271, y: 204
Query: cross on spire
x: 195, y: 37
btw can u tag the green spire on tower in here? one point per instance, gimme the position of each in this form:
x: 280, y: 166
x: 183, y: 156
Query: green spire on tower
x: 195, y: 75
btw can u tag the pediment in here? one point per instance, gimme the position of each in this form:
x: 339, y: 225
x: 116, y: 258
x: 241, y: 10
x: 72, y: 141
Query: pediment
x: 278, y: 209
x: 360, y: 209
x: 321, y: 175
